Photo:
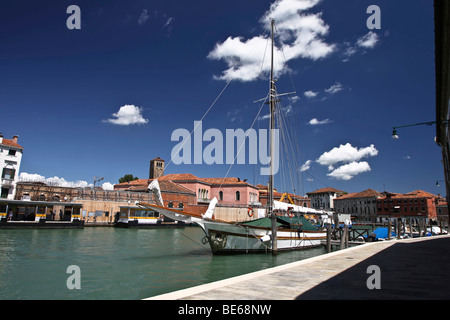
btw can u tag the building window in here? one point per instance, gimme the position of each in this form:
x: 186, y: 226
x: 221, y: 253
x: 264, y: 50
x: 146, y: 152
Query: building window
x: 180, y: 205
x: 12, y: 152
x: 238, y: 196
x: 8, y: 173
x: 221, y: 195
x: 170, y: 205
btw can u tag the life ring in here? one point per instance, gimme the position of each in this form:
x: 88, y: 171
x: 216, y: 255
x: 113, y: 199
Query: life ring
x: 290, y: 213
x: 250, y: 212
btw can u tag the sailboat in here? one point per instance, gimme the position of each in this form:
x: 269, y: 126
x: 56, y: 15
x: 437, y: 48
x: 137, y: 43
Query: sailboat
x: 272, y: 233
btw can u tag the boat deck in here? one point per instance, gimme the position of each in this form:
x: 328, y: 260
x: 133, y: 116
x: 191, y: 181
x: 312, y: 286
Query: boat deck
x: 410, y: 269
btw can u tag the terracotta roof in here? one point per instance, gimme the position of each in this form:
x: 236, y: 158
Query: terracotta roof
x: 10, y: 143
x: 369, y: 193
x: 169, y: 186
x: 422, y: 194
x: 225, y: 181
x: 325, y: 190
x: 187, y: 176
x: 412, y: 194
x: 142, y: 185
x: 363, y: 194
x: 135, y: 182
x: 347, y: 196
x: 178, y: 177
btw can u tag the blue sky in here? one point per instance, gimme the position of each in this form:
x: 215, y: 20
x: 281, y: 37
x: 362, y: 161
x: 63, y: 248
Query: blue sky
x: 64, y: 91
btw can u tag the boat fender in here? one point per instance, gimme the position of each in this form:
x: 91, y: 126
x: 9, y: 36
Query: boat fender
x: 265, y: 238
x: 250, y: 212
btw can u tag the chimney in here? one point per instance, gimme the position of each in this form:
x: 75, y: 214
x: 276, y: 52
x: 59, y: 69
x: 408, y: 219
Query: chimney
x: 15, y: 138
x: 1, y: 138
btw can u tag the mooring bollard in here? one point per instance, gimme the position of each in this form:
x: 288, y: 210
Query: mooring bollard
x: 346, y: 233
x: 328, y: 237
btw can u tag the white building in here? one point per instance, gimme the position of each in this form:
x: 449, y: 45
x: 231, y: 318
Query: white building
x: 10, y: 158
x: 362, y: 205
x: 323, y: 199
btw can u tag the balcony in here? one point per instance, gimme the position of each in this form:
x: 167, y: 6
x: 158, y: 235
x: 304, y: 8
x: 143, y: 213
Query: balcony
x: 7, y: 183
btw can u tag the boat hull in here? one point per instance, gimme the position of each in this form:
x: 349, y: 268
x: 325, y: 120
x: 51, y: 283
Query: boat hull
x: 134, y: 224
x: 235, y: 238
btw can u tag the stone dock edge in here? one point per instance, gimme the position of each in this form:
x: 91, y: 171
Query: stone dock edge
x: 289, y: 281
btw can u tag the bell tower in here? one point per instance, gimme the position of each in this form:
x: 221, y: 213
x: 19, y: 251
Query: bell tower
x: 156, y: 168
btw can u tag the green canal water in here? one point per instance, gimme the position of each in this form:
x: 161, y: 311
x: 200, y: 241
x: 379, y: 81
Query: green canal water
x: 118, y: 263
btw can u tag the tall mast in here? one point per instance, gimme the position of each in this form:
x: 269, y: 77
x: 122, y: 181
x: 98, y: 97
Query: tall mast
x: 272, y: 148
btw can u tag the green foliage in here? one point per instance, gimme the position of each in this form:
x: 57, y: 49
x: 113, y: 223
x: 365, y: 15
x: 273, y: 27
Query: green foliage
x: 127, y: 178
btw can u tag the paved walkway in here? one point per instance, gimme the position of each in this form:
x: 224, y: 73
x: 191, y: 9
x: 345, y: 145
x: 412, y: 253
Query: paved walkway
x: 409, y: 269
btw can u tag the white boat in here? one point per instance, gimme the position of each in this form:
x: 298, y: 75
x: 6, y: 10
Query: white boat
x: 292, y: 232
x: 271, y: 233
x: 139, y: 217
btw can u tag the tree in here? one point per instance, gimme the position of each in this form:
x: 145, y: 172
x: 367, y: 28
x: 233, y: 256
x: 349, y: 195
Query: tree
x: 127, y: 178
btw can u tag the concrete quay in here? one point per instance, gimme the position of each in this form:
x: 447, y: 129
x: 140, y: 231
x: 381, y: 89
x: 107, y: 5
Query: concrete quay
x: 408, y: 269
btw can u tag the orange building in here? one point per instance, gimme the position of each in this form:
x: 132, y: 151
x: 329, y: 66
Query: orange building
x: 416, y: 203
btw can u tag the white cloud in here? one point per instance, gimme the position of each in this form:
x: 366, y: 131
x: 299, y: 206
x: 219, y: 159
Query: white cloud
x: 368, y: 40
x: 346, y: 153
x: 168, y: 22
x: 264, y: 117
x: 285, y: 110
x: 57, y: 181
x: 127, y: 115
x: 60, y: 182
x: 348, y: 171
x: 335, y: 88
x: 349, y: 50
x: 300, y: 35
x: 143, y: 17
x: 314, y: 121
x: 306, y: 166
x: 294, y: 99
x: 310, y: 94
x: 31, y: 177
x: 107, y: 186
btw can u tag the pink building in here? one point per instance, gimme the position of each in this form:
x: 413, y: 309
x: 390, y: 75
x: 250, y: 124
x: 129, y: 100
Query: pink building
x: 232, y: 191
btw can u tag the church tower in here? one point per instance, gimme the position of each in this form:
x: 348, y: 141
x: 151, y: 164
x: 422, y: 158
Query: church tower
x: 156, y: 168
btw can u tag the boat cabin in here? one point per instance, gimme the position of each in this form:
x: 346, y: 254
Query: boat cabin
x: 25, y: 213
x: 139, y: 214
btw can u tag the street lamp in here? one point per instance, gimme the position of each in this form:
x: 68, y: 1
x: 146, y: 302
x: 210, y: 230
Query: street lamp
x: 394, y: 134
x: 437, y: 182
x: 429, y: 123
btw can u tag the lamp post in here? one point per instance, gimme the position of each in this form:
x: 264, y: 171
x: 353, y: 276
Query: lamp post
x: 437, y: 182
x: 429, y: 123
